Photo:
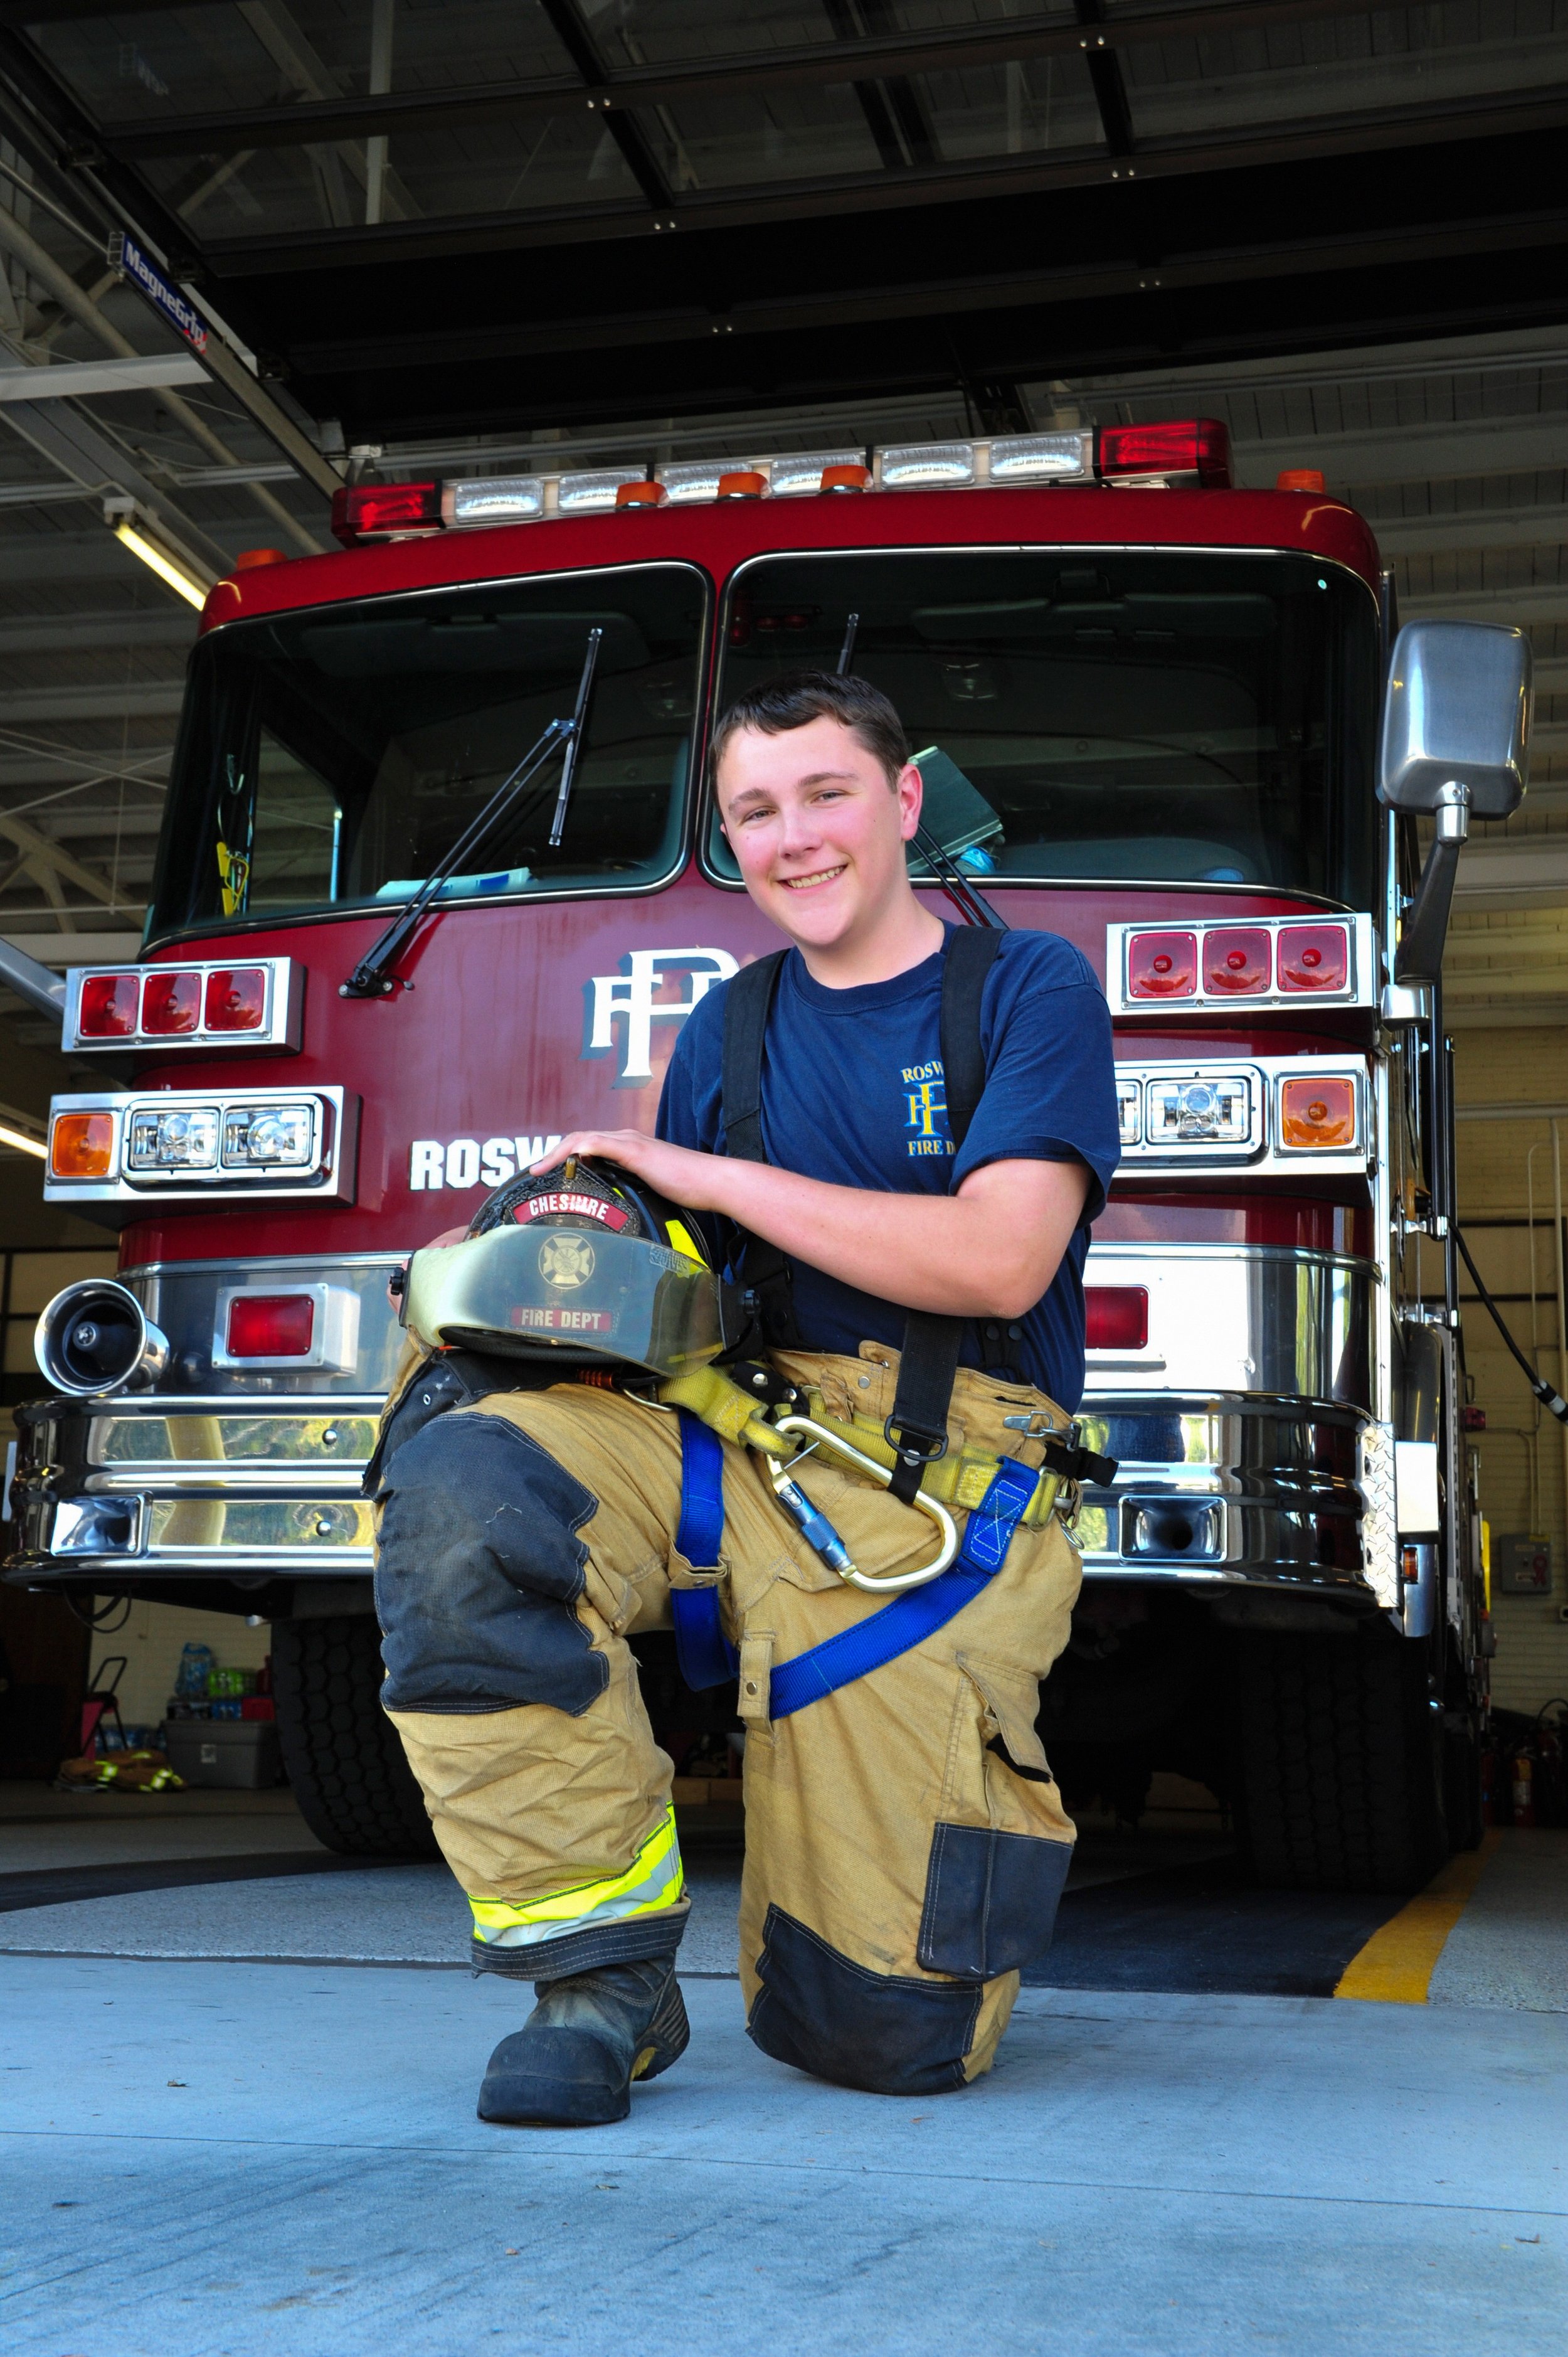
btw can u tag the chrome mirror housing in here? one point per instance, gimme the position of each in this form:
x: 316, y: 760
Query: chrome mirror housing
x: 1458, y: 713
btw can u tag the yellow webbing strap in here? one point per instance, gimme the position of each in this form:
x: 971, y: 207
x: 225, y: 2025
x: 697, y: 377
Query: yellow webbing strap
x: 725, y: 1408
x: 655, y: 1879
x: 959, y: 1480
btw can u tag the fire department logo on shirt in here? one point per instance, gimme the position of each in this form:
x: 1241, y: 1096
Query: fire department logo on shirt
x: 926, y: 1109
x: 565, y: 1259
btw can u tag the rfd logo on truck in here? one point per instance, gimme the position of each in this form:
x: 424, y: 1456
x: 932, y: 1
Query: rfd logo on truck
x: 630, y: 996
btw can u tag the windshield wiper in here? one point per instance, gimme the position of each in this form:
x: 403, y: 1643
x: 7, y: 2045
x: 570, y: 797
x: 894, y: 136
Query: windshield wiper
x: 372, y: 977
x: 972, y: 905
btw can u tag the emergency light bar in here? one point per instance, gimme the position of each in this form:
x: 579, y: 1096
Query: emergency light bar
x: 1190, y: 452
x: 186, y: 1145
x: 214, y: 1006
x: 1262, y: 962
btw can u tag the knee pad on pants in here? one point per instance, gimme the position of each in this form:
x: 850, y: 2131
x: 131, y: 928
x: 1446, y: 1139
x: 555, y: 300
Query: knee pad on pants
x: 477, y: 1570
x: 827, y: 2014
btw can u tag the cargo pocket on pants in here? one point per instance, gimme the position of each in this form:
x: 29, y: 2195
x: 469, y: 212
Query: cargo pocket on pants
x: 992, y: 1888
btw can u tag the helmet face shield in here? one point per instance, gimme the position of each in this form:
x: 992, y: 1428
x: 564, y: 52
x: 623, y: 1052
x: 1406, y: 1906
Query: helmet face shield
x: 576, y: 1272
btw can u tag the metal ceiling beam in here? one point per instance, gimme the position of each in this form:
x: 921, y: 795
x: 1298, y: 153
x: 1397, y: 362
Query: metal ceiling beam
x: 69, y: 634
x: 74, y: 299
x: 76, y: 446
x: 90, y: 380
x: 138, y: 699
x: 1535, y: 604
x: 629, y: 134
x: 42, y: 851
x: 1542, y: 527
x: 948, y: 301
x: 1487, y: 447
x: 843, y: 195
x: 872, y: 58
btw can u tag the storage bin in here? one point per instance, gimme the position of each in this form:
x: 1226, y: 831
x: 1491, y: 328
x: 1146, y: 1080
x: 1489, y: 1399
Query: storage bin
x: 236, y: 1755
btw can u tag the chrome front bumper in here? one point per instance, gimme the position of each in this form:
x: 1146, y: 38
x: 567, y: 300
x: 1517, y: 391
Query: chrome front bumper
x: 203, y: 1487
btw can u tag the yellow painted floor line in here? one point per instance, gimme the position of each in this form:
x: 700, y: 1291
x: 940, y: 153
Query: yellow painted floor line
x: 1396, y: 1966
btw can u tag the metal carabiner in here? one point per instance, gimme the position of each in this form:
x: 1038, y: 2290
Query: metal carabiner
x: 821, y: 1434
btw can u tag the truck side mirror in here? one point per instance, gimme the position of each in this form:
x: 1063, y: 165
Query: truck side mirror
x: 1455, y: 741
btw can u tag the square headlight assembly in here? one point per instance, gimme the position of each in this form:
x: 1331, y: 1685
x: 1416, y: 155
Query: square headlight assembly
x: 262, y: 1137
x: 1130, y: 1111
x: 1213, y: 1110
x: 172, y: 1137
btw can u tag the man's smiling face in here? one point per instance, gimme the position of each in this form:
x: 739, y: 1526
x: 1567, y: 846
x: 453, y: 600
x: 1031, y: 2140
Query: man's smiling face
x: 817, y: 829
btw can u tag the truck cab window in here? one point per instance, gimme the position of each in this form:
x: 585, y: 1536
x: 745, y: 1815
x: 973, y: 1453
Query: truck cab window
x: 1147, y: 715
x: 330, y: 757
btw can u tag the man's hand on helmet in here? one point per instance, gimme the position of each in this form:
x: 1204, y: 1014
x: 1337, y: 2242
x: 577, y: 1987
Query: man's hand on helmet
x: 694, y: 1180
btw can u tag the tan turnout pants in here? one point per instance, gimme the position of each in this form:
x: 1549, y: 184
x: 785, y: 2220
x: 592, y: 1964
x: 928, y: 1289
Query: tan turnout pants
x: 906, y: 1844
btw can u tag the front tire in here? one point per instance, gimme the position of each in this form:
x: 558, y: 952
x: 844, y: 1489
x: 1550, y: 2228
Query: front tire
x: 355, y: 1789
x: 1341, y: 1763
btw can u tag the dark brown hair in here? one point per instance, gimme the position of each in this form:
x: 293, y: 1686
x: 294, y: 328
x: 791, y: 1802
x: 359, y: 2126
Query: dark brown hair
x: 797, y: 697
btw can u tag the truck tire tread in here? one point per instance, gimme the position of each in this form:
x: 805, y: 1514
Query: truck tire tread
x: 354, y: 1787
x: 1340, y: 1765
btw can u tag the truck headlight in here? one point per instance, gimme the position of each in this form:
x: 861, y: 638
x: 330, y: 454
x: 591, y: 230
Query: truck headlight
x: 269, y: 1136
x: 173, y: 1137
x: 1214, y: 1111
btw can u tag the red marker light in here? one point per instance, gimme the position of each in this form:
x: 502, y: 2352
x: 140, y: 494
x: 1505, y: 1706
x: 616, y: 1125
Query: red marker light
x: 1236, y: 961
x: 1314, y: 957
x: 376, y: 510
x: 1192, y: 445
x: 171, y: 1002
x: 270, y: 1326
x: 1162, y: 965
x: 237, y: 998
x: 1116, y: 1316
x: 108, y: 1009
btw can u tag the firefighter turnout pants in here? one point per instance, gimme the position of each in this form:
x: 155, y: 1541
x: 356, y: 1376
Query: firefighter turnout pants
x: 905, y: 1843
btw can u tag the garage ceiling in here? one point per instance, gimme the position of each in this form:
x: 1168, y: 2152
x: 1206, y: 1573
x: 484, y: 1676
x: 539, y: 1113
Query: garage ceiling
x: 444, y: 215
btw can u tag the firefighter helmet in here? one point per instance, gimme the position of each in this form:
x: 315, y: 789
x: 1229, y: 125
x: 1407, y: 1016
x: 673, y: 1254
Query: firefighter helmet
x: 582, y: 1266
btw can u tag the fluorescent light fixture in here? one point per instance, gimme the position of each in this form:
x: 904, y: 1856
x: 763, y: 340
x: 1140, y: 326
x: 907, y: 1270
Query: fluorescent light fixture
x: 22, y: 1142
x: 182, y: 582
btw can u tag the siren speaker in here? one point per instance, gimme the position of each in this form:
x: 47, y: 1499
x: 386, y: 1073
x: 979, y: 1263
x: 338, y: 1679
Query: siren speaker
x: 94, y: 1338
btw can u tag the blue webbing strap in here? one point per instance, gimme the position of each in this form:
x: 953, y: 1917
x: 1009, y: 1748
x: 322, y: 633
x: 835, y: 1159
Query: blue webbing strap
x: 920, y: 1611
x: 705, y: 1655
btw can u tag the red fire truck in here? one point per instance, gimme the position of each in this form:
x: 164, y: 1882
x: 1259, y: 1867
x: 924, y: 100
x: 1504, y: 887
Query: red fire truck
x: 1155, y: 714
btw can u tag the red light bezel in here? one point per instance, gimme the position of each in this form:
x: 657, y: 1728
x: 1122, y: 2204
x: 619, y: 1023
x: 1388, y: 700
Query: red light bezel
x: 269, y: 1325
x: 1187, y: 446
x: 377, y: 510
x: 109, y: 1006
x: 1116, y: 1316
x: 224, y: 986
x: 1178, y: 978
x: 1299, y: 944
x: 171, y: 1002
x: 1253, y: 945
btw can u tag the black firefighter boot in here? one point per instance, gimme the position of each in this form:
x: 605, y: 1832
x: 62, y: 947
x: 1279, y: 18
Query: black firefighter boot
x: 572, y: 2063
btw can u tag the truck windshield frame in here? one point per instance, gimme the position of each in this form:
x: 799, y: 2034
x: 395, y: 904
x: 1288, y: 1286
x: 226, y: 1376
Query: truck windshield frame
x: 329, y: 755
x: 1227, y: 698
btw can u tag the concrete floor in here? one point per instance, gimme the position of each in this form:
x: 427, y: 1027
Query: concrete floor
x: 203, y: 2154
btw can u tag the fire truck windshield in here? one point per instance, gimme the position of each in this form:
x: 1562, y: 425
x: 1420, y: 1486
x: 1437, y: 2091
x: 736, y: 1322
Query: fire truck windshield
x: 330, y: 757
x: 1148, y: 715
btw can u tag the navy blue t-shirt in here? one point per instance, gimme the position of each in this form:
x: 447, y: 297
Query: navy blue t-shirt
x: 852, y: 1094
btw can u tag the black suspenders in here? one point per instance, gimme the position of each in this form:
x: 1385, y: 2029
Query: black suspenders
x: 928, y: 1361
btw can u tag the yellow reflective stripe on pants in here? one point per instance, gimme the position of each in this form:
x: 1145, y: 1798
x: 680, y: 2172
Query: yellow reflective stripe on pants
x: 655, y: 1879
